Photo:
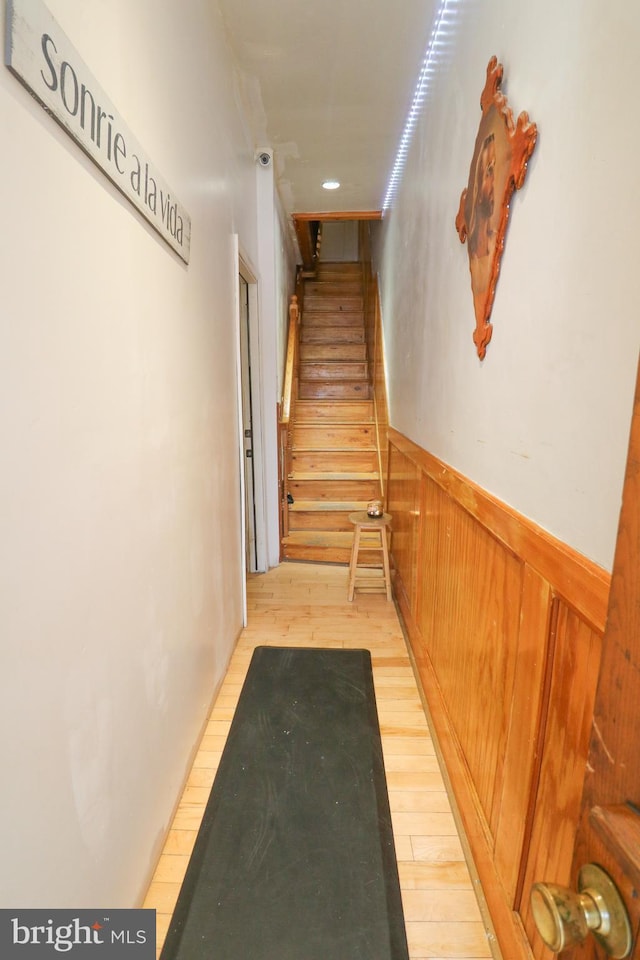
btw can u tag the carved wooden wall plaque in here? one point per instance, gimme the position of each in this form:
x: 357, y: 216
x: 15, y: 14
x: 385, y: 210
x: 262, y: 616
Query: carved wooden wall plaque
x: 498, y: 167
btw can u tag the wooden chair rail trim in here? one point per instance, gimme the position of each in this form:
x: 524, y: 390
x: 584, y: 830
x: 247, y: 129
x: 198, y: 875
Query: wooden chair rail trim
x: 475, y: 835
x: 581, y: 583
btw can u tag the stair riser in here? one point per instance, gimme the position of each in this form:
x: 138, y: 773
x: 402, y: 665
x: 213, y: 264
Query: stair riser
x: 333, y: 547
x: 308, y: 390
x: 346, y: 334
x: 328, y: 270
x: 335, y: 288
x: 340, y: 461
x: 333, y: 437
x: 317, y: 554
x: 316, y: 370
x: 362, y: 490
x: 345, y: 411
x: 319, y: 520
x: 333, y: 352
x: 328, y: 506
x: 332, y: 319
x: 335, y: 304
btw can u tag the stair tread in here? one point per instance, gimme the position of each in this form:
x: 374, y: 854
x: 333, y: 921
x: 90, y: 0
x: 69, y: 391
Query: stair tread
x: 363, y: 378
x: 334, y: 288
x: 333, y: 490
x: 333, y: 318
x: 335, y: 538
x: 330, y: 420
x: 329, y: 538
x: 335, y: 382
x: 319, y: 319
x: 315, y: 554
x: 332, y: 410
x: 333, y: 352
x: 321, y: 389
x: 333, y: 448
x: 309, y: 371
x: 343, y: 303
x: 333, y: 423
x: 329, y: 506
x: 337, y: 266
x: 330, y: 417
x: 332, y: 335
x: 327, y: 475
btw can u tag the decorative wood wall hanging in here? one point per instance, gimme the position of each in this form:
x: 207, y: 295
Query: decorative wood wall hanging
x: 498, y: 167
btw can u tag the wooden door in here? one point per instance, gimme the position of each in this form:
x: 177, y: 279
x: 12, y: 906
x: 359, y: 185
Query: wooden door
x: 604, y: 828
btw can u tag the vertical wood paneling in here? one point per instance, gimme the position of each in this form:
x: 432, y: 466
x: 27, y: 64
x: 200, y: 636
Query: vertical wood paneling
x: 402, y: 504
x: 510, y: 683
x: 468, y: 616
x: 576, y: 662
x: 524, y: 725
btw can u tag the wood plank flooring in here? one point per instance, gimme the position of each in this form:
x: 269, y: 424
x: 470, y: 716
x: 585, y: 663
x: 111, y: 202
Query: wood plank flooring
x: 303, y: 604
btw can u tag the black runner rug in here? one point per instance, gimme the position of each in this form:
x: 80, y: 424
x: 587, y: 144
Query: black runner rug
x: 295, y: 857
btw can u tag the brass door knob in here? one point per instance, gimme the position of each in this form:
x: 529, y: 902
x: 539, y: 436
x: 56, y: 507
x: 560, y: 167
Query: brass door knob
x: 565, y: 918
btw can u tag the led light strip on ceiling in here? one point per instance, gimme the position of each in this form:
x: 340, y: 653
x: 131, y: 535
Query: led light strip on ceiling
x: 439, y: 42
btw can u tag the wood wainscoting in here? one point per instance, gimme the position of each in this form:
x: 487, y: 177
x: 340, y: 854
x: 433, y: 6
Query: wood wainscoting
x: 505, y: 623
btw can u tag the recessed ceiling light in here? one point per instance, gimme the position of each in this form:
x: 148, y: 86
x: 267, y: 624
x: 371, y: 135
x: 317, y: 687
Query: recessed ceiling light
x: 331, y: 184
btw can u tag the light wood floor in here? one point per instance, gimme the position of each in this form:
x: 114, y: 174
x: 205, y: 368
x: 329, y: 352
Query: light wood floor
x: 299, y: 604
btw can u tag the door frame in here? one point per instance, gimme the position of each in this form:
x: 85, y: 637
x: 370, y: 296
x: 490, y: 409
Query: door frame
x: 243, y: 267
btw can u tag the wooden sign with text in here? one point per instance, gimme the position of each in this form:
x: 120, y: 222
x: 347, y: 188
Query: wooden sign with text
x: 41, y: 56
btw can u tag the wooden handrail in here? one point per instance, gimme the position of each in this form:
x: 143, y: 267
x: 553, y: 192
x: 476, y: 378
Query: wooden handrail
x: 286, y: 410
x: 290, y: 362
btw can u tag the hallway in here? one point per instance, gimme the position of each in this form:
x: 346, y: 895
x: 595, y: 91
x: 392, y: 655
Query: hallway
x: 300, y: 604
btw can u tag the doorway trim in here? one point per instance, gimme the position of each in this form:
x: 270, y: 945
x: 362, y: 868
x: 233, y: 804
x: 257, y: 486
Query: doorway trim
x: 243, y: 268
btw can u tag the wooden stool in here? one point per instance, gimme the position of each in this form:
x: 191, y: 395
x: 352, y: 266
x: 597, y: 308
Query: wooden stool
x: 363, y: 522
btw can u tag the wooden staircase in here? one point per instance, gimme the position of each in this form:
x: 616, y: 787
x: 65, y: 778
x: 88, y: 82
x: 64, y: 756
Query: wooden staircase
x: 333, y: 457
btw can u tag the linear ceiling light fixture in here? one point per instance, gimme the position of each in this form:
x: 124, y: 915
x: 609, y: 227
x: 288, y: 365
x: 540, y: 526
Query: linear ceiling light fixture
x: 439, y: 42
x: 331, y: 184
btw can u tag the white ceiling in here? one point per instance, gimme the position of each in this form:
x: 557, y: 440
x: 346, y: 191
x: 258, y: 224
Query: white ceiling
x: 328, y: 85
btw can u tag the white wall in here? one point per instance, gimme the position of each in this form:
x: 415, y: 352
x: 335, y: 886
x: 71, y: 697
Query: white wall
x: 120, y: 566
x: 543, y: 422
x: 339, y: 241
x: 285, y: 284
x: 278, y: 281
